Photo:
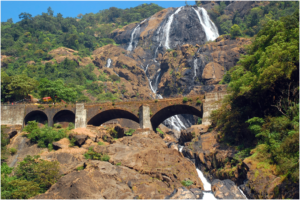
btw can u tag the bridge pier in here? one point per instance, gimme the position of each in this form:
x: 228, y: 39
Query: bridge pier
x: 144, y: 116
x: 80, y: 116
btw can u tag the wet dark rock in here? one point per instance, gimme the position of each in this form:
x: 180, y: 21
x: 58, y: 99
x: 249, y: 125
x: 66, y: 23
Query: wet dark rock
x: 188, y: 153
x: 80, y: 139
x: 181, y: 193
x: 197, y: 192
x: 12, y: 134
x: 185, y: 136
x: 226, y: 189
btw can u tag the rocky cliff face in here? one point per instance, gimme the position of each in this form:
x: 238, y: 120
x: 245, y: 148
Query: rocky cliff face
x: 174, y: 52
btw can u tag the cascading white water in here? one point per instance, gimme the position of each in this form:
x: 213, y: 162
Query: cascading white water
x: 242, y: 192
x: 130, y: 47
x: 209, y: 27
x: 168, y: 27
x: 108, y: 63
x: 195, y: 68
x: 207, y: 194
x: 180, y: 148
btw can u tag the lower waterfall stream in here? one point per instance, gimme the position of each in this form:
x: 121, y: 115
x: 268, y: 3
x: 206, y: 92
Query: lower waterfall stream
x: 207, y: 193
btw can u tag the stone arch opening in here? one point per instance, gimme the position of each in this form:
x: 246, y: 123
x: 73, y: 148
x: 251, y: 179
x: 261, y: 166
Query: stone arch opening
x: 37, y: 116
x: 108, y: 115
x: 170, y: 111
x: 64, y: 117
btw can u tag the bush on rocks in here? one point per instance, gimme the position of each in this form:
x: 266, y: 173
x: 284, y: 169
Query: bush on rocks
x: 43, y: 136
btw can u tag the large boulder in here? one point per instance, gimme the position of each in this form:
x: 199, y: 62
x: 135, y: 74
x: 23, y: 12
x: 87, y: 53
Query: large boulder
x: 226, y: 189
x: 149, y: 154
x: 61, y: 144
x: 102, y: 180
x: 186, y: 136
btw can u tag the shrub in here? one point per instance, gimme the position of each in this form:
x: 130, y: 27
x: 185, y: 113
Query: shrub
x: 185, y: 99
x: 43, y: 136
x: 91, y: 154
x: 57, y: 125
x: 193, y: 134
x: 187, y: 183
x: 42, y: 172
x: 129, y: 132
x: 199, y: 121
x: 5, y: 169
x: 113, y: 132
x: 119, y: 164
x: 199, y: 102
x: 4, y: 142
x: 50, y: 105
x: 72, y: 142
x: 13, y: 151
x: 41, y: 107
x: 156, y: 101
x: 80, y: 168
x: 160, y: 131
x: 71, y: 126
x: 100, y: 143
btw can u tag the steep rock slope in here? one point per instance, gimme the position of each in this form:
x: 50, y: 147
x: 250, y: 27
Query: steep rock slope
x: 174, y: 40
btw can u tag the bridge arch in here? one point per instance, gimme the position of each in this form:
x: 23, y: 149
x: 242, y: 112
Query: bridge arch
x: 107, y: 115
x: 172, y: 110
x: 64, y: 117
x: 36, y: 115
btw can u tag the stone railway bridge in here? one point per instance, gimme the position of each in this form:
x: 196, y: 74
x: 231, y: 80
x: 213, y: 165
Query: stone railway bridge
x: 149, y: 113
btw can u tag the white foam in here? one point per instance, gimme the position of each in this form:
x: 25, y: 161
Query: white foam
x: 168, y: 27
x: 209, y: 27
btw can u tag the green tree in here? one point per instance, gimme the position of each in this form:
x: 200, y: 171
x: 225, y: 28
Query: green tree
x: 56, y: 90
x: 235, y: 31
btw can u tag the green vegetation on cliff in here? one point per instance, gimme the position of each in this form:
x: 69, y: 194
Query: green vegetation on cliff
x: 261, y: 111
x: 28, y: 43
x: 31, y: 177
x: 253, y: 21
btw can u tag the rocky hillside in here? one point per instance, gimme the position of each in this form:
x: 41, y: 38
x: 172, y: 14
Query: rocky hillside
x: 107, y: 162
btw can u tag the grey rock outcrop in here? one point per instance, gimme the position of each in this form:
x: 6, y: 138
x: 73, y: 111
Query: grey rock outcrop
x: 226, y: 189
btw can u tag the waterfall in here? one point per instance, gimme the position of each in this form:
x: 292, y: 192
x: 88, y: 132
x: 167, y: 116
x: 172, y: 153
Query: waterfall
x: 207, y: 194
x: 242, y: 193
x: 108, y: 63
x: 156, y: 82
x: 130, y: 47
x: 168, y: 27
x: 209, y: 27
x: 195, y: 68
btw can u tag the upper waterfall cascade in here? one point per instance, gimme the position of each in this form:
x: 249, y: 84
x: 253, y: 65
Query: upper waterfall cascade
x: 108, y: 63
x: 209, y: 27
x: 168, y: 27
x: 131, y: 47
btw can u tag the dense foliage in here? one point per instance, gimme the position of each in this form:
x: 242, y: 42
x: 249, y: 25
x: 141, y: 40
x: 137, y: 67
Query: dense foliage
x: 262, y: 110
x: 252, y: 22
x: 31, y: 177
x: 4, y: 143
x: 43, y: 136
x: 28, y: 43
